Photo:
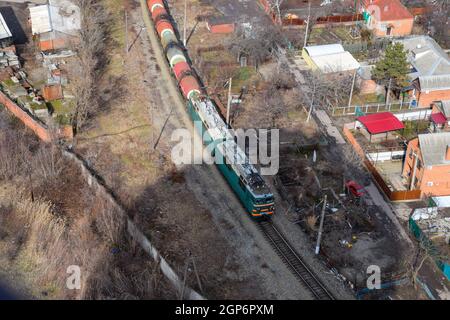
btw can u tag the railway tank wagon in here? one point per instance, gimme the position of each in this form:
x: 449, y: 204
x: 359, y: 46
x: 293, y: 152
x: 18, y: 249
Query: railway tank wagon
x: 232, y: 162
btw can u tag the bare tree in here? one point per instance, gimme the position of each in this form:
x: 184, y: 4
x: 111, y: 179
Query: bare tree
x: 257, y: 43
x: 91, y: 60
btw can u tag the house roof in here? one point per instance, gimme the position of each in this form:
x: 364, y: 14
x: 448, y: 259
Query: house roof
x: 446, y: 108
x: 314, y: 51
x: 389, y: 10
x: 433, y: 147
x: 4, y: 30
x: 381, y: 122
x: 59, y: 15
x: 219, y: 20
x: 337, y: 62
x: 332, y: 58
x: 434, y: 83
x: 426, y: 56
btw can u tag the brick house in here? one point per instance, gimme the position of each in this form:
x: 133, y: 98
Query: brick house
x: 440, y: 116
x: 427, y: 164
x: 387, y: 17
x: 430, y: 70
x: 55, y: 24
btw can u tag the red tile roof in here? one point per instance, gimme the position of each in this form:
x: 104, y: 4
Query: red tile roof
x: 381, y: 122
x: 389, y: 9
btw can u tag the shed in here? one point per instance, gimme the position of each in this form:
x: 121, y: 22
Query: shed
x: 52, y: 92
x: 6, y: 38
x: 380, y: 123
x: 329, y: 58
x: 220, y: 25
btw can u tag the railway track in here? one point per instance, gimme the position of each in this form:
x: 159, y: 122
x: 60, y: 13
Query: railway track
x: 294, y: 262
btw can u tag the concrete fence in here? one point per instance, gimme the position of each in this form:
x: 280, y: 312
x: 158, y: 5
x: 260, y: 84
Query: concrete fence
x: 386, y: 155
x: 95, y: 183
x: 418, y: 114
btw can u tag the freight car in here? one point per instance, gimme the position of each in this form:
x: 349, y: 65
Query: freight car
x: 232, y: 162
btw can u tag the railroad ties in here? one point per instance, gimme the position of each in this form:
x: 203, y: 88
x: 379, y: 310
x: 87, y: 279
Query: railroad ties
x: 294, y: 262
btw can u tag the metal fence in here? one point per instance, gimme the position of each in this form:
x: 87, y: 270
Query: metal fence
x: 371, y: 108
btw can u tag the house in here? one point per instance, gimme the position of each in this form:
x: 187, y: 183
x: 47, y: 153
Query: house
x: 55, y: 24
x: 387, y: 17
x: 329, y: 58
x: 377, y: 126
x: 427, y: 164
x: 220, y: 25
x: 440, y: 116
x: 430, y: 70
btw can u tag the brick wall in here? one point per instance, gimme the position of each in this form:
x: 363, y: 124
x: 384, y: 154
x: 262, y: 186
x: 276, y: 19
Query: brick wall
x: 431, y: 180
x: 400, y: 27
x: 37, y: 127
x: 426, y: 99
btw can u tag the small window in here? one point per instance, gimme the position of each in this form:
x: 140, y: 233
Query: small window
x: 419, y: 164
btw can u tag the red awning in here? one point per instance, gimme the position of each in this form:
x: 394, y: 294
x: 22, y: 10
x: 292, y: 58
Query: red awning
x: 381, y: 122
x: 438, y: 118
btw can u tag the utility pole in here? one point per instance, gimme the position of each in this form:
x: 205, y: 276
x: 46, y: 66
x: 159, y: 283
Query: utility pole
x: 307, y: 24
x: 388, y: 91
x: 126, y: 32
x: 229, y: 102
x: 413, y: 177
x: 351, y: 91
x: 319, y: 237
x: 184, y: 22
x: 311, y: 104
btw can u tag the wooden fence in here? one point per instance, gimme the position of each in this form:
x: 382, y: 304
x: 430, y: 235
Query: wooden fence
x: 392, y: 195
x: 285, y: 22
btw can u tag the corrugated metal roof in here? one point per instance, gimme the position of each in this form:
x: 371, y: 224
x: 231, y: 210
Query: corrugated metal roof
x: 433, y: 83
x: 381, y: 122
x: 426, y: 56
x: 338, y: 62
x: 433, y: 147
x: 4, y: 30
x: 314, y: 51
x: 446, y: 107
x: 58, y: 15
x: 40, y: 19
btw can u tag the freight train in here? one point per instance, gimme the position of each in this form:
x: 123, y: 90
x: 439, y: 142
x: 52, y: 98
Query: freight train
x: 232, y: 162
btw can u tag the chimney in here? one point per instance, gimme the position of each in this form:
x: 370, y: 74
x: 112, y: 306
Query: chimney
x: 447, y: 153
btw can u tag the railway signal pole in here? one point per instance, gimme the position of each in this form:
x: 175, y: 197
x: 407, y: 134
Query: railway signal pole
x: 322, y: 216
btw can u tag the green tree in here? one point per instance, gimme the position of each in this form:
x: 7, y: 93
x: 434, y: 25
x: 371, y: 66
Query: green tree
x: 393, y: 67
